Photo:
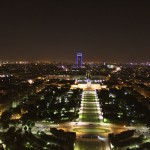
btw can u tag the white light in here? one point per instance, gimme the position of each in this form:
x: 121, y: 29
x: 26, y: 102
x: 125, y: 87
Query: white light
x: 30, y: 81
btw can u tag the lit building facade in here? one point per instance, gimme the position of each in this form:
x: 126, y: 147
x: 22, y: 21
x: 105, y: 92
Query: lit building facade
x: 79, y: 60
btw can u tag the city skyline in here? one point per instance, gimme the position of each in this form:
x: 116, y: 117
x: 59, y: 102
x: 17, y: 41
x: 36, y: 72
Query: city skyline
x: 71, y: 107
x: 56, y: 31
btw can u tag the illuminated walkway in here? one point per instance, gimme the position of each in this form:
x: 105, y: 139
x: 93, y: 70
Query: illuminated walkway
x: 89, y: 129
x: 90, y: 109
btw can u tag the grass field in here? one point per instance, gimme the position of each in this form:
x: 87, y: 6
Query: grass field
x: 89, y: 108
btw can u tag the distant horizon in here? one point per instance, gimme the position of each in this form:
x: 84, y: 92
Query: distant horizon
x: 72, y: 59
x: 84, y: 62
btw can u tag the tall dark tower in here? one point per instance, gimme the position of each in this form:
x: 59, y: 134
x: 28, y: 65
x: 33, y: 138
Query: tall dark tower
x: 79, y: 60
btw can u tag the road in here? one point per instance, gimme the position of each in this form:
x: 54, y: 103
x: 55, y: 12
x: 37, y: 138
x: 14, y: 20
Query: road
x: 87, y: 134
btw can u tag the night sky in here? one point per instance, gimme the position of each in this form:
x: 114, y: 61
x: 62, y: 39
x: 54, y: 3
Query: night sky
x: 56, y: 30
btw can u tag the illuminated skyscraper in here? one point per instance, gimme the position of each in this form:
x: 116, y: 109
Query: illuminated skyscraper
x: 79, y: 60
